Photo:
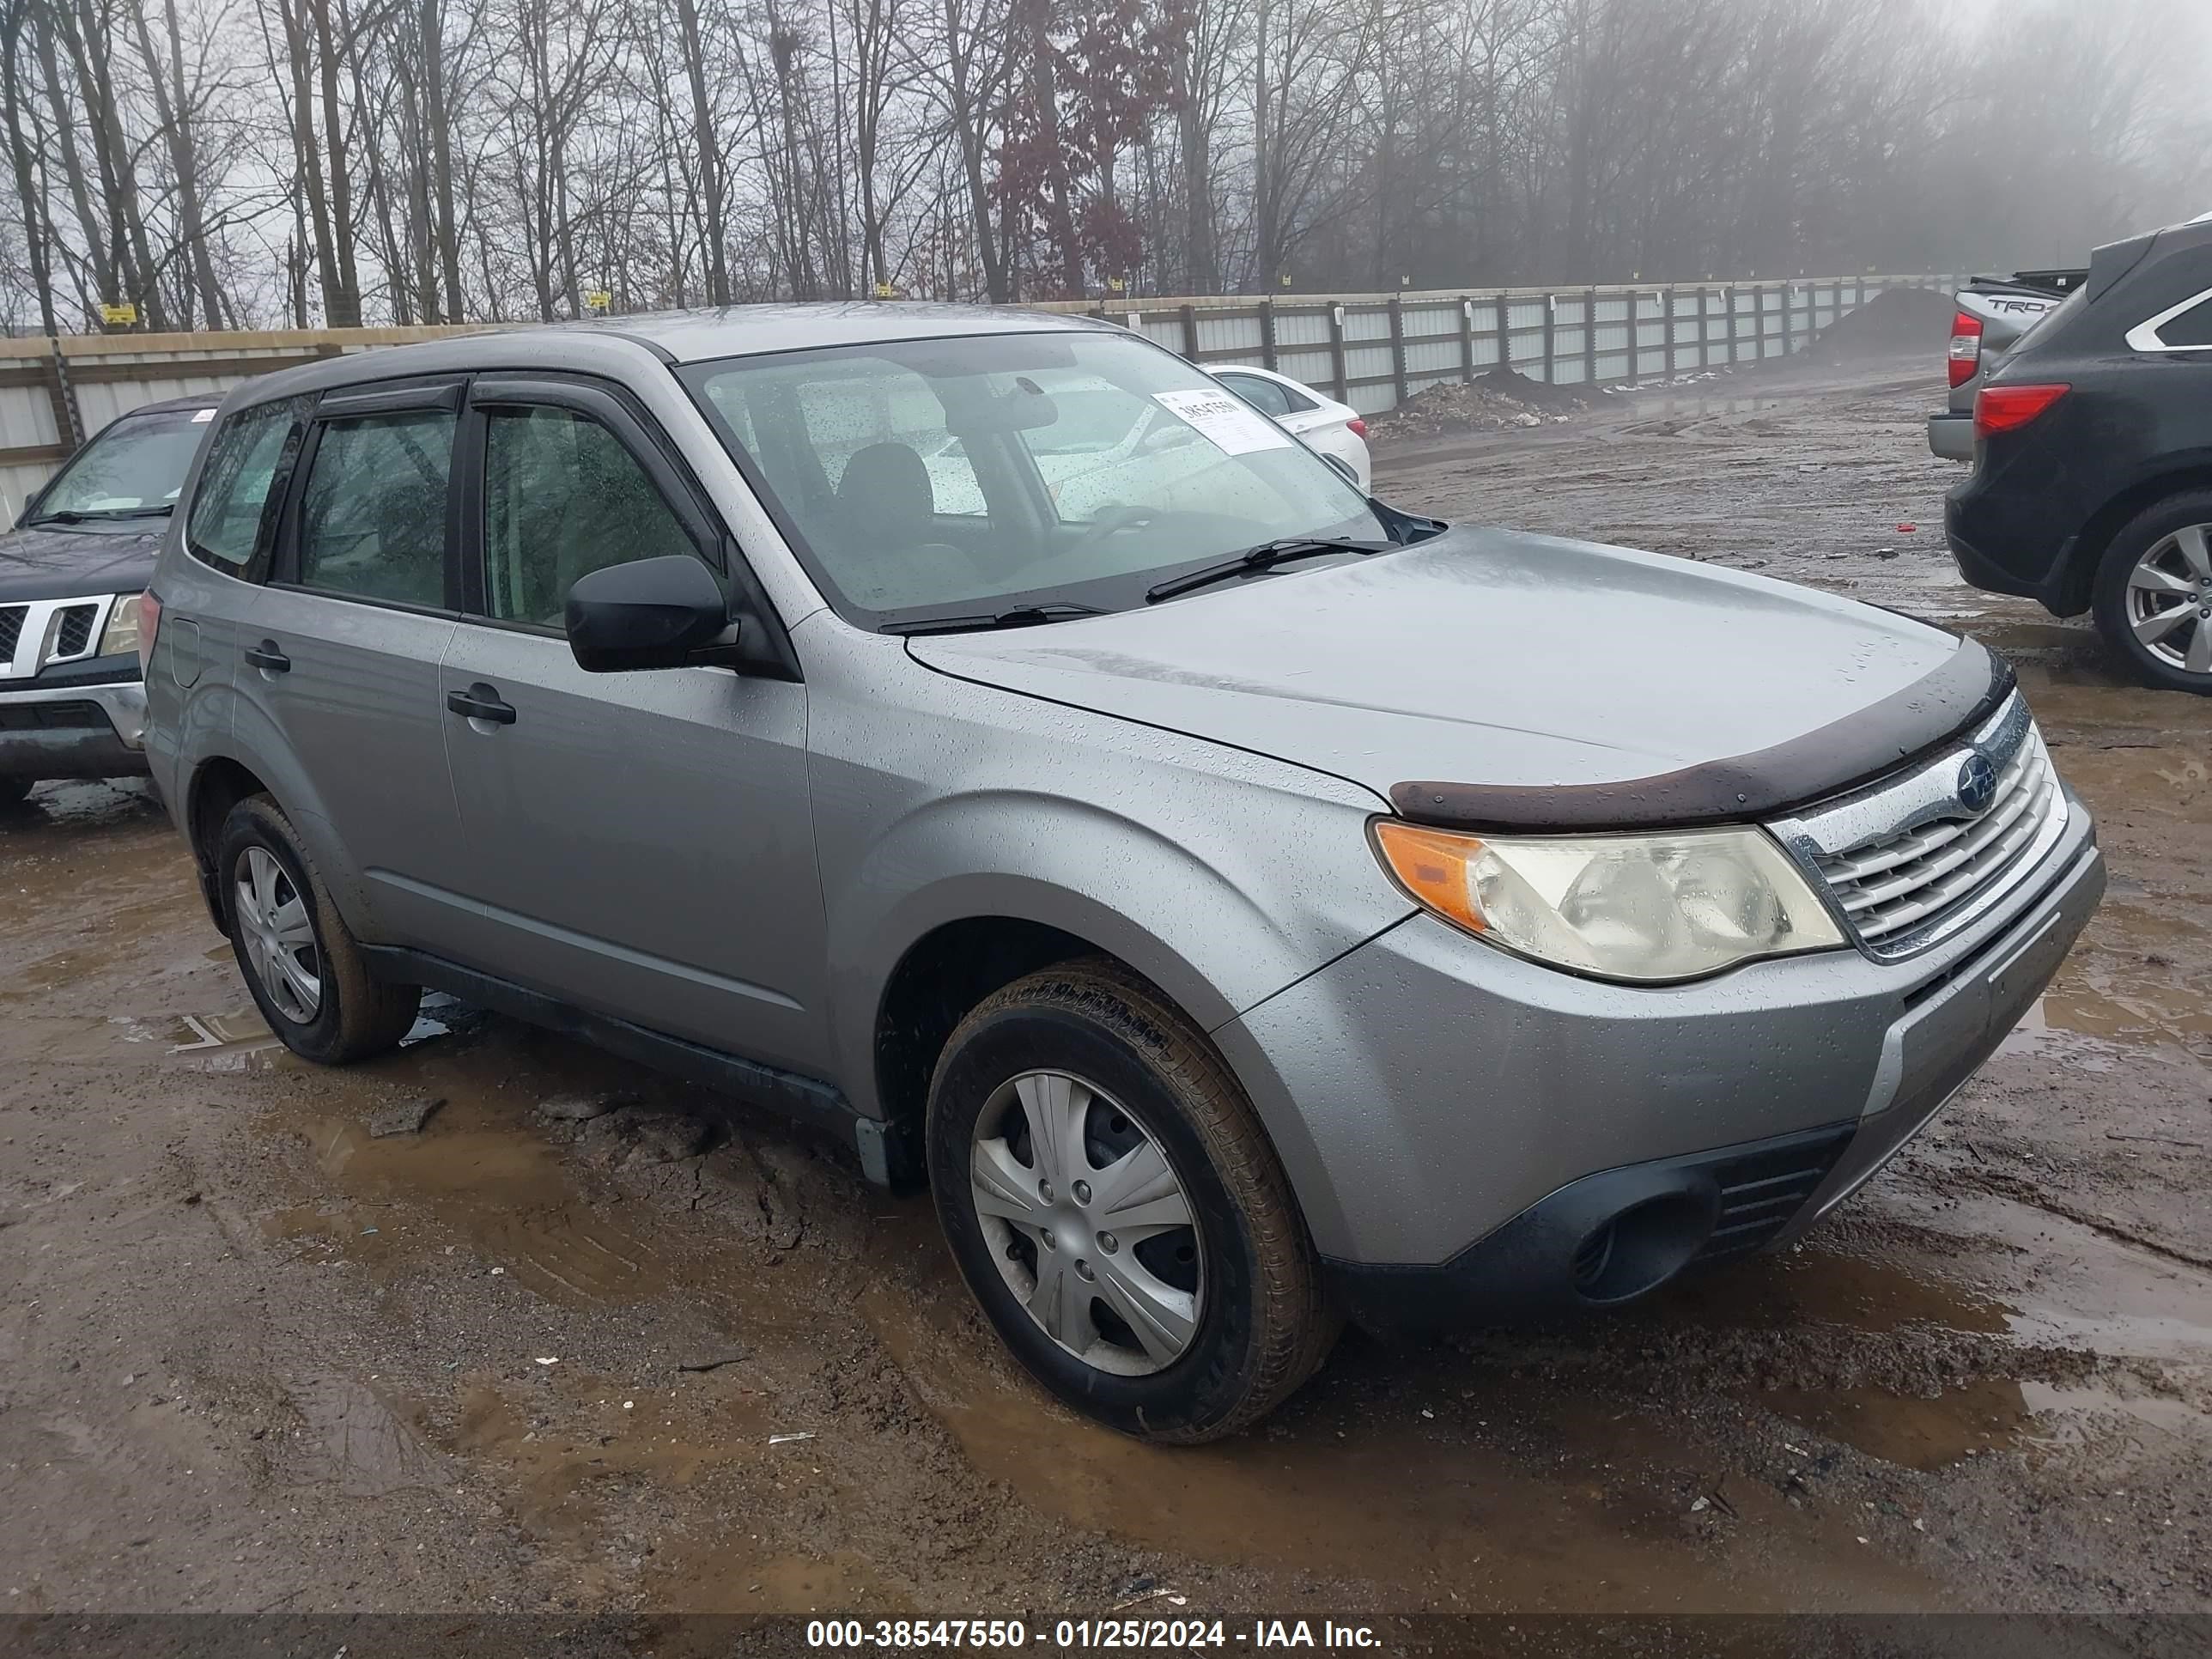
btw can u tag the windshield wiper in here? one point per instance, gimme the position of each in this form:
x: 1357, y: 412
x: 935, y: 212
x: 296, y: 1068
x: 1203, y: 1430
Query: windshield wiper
x: 100, y: 515
x: 1264, y: 556
x: 1027, y: 616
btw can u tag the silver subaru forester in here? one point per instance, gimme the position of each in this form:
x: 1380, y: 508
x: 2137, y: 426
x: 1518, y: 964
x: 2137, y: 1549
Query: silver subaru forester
x: 981, y: 738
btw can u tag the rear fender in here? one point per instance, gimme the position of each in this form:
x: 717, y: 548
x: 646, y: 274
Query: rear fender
x: 255, y: 743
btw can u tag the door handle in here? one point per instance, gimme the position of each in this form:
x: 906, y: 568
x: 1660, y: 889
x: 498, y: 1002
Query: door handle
x: 482, y: 702
x: 268, y: 658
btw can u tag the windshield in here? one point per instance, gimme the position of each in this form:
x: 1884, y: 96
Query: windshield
x: 133, y: 469
x: 992, y: 472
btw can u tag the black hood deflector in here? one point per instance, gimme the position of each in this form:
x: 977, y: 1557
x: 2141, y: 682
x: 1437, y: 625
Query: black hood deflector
x: 1965, y: 689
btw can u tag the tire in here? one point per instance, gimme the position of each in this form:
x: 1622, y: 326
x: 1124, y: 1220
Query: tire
x: 2143, y: 601
x: 14, y: 791
x: 349, y: 1016
x: 1231, y: 1300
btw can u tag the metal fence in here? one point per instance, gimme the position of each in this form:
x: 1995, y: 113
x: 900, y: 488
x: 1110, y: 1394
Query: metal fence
x: 1370, y: 350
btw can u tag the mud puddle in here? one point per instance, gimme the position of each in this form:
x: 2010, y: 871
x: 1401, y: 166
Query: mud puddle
x: 1912, y: 1433
x: 1982, y: 1418
x: 488, y: 1175
x: 2123, y: 1007
x: 477, y: 1179
x: 1460, y: 1482
x: 2057, y: 1312
x: 2092, y: 1291
x: 1497, y: 1476
x: 1819, y: 1284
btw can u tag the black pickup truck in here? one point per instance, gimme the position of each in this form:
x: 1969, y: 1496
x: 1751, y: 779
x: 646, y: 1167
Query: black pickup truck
x: 73, y: 576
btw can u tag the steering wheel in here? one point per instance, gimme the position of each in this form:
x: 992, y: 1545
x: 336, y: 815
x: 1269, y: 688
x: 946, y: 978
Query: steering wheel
x: 1114, y: 520
x: 1120, y: 516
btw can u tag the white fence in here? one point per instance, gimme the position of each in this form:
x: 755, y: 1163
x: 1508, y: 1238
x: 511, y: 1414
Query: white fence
x: 1370, y: 350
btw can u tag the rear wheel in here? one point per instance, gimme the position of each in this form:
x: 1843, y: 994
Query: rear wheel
x: 301, y: 964
x: 2154, y: 593
x: 1117, y: 1212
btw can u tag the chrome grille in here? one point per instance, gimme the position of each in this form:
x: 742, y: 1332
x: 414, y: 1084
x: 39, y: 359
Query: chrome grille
x: 1908, y: 862
x: 1890, y: 886
x: 47, y: 631
x: 73, y: 632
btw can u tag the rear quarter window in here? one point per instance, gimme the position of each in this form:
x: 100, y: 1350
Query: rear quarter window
x: 232, y: 520
x: 2193, y: 327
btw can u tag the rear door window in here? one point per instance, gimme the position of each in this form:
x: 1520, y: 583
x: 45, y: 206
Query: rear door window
x: 1263, y: 395
x: 231, y: 518
x: 372, y: 515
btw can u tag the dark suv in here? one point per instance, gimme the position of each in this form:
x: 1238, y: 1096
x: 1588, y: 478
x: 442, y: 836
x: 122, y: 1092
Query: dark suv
x: 2091, y: 487
x: 73, y: 572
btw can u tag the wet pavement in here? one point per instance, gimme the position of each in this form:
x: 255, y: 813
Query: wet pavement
x: 393, y: 1338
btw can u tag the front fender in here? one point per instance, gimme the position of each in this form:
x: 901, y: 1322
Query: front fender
x: 1221, y: 876
x: 1203, y: 939
x: 1200, y: 931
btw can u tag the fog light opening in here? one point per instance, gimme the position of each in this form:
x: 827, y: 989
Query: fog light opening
x: 1642, y: 1248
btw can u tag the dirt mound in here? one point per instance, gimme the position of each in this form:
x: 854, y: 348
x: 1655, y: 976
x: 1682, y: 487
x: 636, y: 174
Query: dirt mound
x: 1497, y: 398
x: 1901, y: 320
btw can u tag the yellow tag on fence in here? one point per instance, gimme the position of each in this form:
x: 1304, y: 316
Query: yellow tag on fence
x: 120, y: 316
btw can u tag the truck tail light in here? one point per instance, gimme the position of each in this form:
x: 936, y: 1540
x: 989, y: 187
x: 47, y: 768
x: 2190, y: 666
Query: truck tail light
x: 2008, y: 408
x: 1965, y: 347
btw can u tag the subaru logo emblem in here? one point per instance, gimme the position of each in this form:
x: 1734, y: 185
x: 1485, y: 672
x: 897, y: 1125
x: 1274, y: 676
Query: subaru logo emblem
x: 1978, y: 783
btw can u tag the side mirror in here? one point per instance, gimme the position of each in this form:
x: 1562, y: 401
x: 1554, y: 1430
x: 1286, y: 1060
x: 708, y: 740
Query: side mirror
x: 655, y: 613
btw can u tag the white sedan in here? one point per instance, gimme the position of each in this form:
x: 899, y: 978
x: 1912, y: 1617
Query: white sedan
x: 1333, y: 428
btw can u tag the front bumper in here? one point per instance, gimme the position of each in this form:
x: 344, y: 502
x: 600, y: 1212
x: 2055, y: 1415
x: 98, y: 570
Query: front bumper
x: 96, y: 731
x: 1460, y: 1125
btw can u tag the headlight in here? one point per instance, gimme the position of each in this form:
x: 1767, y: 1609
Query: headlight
x: 1640, y: 908
x: 121, y: 633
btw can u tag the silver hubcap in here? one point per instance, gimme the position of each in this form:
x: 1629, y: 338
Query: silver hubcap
x: 2170, y: 600
x: 1091, y: 1228
x: 278, y: 939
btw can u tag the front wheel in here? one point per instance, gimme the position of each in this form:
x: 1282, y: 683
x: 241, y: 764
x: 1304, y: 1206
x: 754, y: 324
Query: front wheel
x: 306, y: 972
x: 2154, y: 593
x: 1116, y: 1210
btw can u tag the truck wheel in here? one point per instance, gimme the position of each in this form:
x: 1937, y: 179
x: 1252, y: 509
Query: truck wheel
x: 307, y: 974
x: 1114, y: 1207
x: 2154, y: 594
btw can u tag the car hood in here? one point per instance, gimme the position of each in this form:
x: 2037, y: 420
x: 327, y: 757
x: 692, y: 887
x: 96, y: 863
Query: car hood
x: 1488, y: 677
x: 55, y: 562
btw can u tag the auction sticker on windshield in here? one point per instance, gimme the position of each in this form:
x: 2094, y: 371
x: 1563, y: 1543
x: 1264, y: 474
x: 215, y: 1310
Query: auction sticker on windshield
x: 1225, y: 421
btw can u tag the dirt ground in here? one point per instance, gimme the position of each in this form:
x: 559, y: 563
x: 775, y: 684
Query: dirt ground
x: 277, y: 1338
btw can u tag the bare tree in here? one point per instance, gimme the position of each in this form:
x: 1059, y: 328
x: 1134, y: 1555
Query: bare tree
x: 335, y: 162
